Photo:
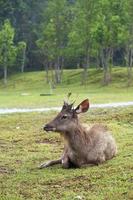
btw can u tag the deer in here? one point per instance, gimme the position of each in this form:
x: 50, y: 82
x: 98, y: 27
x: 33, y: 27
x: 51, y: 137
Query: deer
x: 84, y: 145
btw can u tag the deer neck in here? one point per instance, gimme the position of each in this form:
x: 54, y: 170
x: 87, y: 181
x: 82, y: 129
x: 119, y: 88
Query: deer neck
x: 76, y: 138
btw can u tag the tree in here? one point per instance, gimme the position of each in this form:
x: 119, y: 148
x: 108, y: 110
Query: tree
x: 69, y: 33
x: 25, y: 17
x: 22, y: 54
x: 46, y: 46
x: 53, y: 39
x: 7, y: 49
x: 110, y: 32
x: 81, y: 37
x: 129, y: 41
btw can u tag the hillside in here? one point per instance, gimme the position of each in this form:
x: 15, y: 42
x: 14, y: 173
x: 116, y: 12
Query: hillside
x: 23, y: 90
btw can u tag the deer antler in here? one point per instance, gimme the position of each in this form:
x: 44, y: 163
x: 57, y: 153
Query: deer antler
x: 68, y: 95
x: 66, y: 101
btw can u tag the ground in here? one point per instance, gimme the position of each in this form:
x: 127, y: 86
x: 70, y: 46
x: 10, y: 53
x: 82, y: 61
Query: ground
x: 24, y: 89
x: 24, y: 145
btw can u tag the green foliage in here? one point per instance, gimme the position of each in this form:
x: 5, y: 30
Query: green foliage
x: 54, y: 30
x: 21, y: 51
x: 7, y: 48
x: 21, y: 46
x: 65, y: 33
x: 80, y: 36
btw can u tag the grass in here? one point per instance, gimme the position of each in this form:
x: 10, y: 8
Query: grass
x: 34, y: 84
x: 24, y: 146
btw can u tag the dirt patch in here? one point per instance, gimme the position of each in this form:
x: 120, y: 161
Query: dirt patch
x: 48, y: 141
x: 68, y: 182
x: 4, y: 146
x: 2, y: 142
x: 6, y: 170
x: 16, y: 141
x: 19, y: 161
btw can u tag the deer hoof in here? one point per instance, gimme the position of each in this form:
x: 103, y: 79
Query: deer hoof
x: 43, y: 165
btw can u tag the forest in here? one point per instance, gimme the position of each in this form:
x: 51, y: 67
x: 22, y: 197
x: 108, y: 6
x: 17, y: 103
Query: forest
x: 53, y: 35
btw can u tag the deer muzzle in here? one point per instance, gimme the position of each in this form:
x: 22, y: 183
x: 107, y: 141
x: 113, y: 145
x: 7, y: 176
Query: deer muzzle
x: 48, y: 127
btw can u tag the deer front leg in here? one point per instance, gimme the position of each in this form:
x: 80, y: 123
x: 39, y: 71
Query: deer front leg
x: 65, y: 158
x: 54, y: 162
x: 50, y: 163
x: 65, y: 162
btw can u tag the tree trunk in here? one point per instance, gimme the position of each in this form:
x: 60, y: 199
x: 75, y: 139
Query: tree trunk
x: 52, y: 78
x: 86, y: 66
x: 99, y: 61
x: 101, y: 58
x: 129, y: 63
x: 23, y: 60
x: 57, y: 71
x: 46, y: 66
x: 62, y: 66
x: 5, y: 74
x: 5, y: 69
x: 106, y: 66
x: 110, y: 62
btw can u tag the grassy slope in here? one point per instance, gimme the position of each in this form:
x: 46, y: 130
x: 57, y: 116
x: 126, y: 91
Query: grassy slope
x: 24, y: 146
x: 34, y: 84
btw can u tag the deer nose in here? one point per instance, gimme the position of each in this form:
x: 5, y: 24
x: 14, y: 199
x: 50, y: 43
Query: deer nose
x: 48, y: 127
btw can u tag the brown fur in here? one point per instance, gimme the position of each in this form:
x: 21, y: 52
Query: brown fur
x: 83, y: 144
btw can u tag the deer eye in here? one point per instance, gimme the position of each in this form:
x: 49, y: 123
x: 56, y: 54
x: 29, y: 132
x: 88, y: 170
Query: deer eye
x: 64, y: 117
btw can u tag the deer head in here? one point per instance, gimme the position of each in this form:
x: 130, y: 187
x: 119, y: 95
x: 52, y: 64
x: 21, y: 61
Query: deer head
x: 67, y: 119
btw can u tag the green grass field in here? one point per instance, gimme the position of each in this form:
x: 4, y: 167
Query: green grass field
x: 24, y: 146
x: 34, y: 84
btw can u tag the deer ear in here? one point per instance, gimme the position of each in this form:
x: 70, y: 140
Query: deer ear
x: 82, y: 107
